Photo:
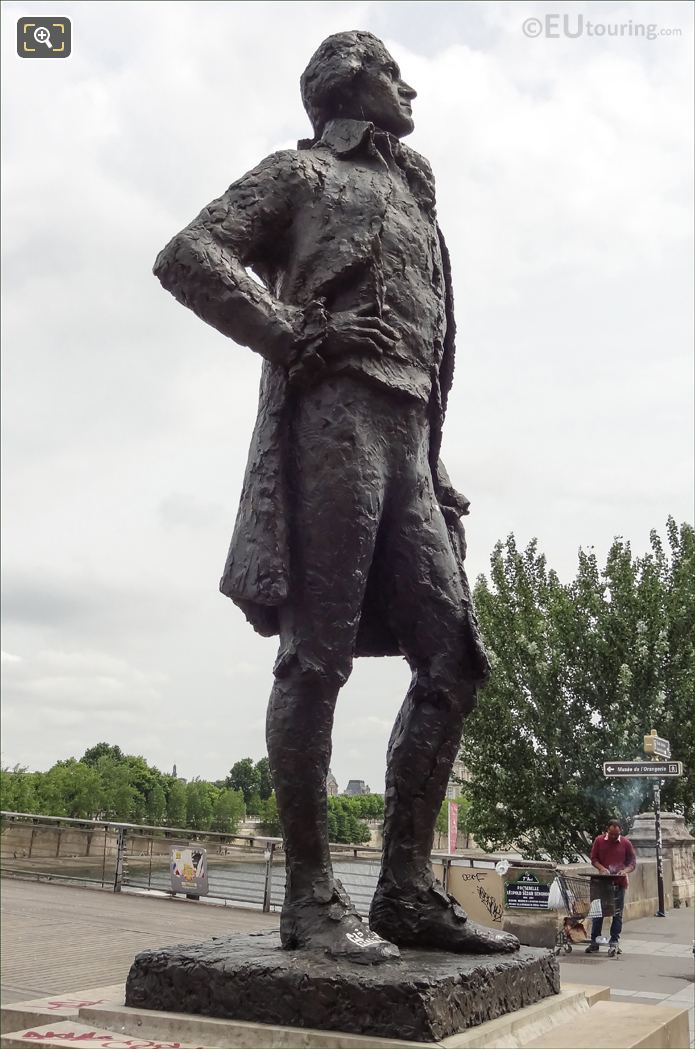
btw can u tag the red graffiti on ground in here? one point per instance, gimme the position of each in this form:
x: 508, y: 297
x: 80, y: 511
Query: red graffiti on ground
x: 107, y: 1041
x: 74, y: 1003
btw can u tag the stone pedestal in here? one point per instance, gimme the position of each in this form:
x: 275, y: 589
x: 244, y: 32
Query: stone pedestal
x: 424, y: 997
x: 536, y: 929
x: 677, y: 845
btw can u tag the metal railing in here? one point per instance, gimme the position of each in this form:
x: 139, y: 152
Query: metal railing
x: 246, y: 869
x: 243, y: 869
x: 118, y: 856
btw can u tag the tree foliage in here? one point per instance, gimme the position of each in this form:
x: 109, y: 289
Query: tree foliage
x: 108, y: 784
x: 462, y: 820
x: 346, y: 817
x: 265, y: 779
x: 581, y: 672
x: 245, y: 776
x: 93, y: 754
x: 270, y: 820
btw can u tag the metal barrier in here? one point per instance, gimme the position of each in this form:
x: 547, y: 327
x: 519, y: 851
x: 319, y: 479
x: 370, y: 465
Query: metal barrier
x: 125, y: 855
x: 241, y: 868
x: 64, y: 850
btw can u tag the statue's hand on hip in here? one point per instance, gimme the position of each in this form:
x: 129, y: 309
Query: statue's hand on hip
x: 357, y: 331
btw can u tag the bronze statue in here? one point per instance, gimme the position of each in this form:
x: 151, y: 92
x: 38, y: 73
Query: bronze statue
x: 348, y: 540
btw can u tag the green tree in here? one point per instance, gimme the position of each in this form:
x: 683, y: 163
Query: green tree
x: 367, y: 806
x: 358, y: 831
x: 265, y: 779
x: 92, y: 755
x: 200, y: 800
x: 156, y: 810
x: 176, y: 802
x: 71, y: 788
x: 344, y: 825
x: 143, y: 779
x: 244, y: 776
x: 581, y: 671
x: 18, y: 790
x: 228, y: 811
x: 270, y: 820
x: 118, y: 792
x: 255, y: 804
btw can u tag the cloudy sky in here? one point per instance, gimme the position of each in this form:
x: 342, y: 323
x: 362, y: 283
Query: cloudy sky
x: 563, y: 177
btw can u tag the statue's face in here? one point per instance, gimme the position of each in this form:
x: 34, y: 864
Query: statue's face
x: 380, y: 95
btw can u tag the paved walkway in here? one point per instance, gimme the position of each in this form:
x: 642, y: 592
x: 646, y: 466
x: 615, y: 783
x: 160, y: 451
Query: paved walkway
x: 655, y: 968
x: 59, y: 938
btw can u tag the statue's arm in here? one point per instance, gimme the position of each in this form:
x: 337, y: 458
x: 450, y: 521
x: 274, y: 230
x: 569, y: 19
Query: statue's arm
x: 447, y: 495
x: 204, y: 266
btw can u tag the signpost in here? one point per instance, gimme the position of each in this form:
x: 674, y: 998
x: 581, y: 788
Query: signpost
x: 643, y: 768
x: 660, y: 748
x: 654, y: 744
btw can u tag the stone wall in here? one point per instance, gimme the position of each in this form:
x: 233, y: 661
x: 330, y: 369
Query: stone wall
x: 480, y: 892
x: 24, y: 840
x: 677, y: 848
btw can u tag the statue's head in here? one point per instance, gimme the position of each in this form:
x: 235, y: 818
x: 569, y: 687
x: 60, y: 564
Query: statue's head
x: 352, y: 75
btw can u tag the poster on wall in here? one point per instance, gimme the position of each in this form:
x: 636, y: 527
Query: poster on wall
x: 189, y: 869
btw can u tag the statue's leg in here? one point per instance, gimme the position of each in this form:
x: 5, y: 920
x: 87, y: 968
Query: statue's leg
x: 425, y: 600
x: 410, y: 907
x: 337, y: 484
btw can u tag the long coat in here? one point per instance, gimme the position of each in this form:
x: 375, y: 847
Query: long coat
x: 304, y: 221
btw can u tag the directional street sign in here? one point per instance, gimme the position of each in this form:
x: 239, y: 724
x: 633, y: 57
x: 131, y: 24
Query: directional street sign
x: 643, y: 768
x: 654, y: 744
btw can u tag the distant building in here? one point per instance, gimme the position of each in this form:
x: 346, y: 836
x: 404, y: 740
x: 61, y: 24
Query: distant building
x: 355, y: 787
x: 459, y: 774
x: 331, y: 785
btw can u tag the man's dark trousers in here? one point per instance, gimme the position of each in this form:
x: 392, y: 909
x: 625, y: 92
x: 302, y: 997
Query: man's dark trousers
x: 617, y: 922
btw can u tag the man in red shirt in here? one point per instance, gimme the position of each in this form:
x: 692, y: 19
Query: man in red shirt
x: 612, y: 853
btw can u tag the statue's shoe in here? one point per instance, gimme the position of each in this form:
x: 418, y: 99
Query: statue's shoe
x: 333, y: 926
x: 433, y: 919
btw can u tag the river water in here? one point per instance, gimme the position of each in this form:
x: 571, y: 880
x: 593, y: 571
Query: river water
x: 244, y: 880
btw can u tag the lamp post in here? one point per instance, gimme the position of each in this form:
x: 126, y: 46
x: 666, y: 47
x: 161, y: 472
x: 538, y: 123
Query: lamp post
x: 659, y: 749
